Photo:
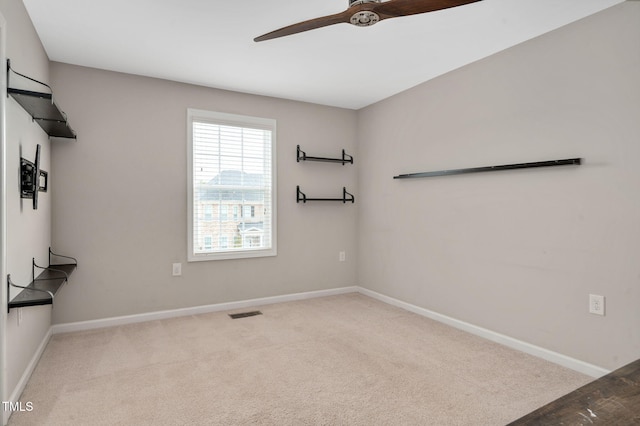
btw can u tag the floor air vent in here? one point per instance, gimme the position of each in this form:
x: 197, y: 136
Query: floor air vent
x: 245, y: 314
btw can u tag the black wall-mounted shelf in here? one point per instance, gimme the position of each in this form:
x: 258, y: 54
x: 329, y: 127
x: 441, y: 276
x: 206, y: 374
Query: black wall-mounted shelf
x: 570, y: 161
x: 44, y: 112
x: 41, y: 108
x: 346, y: 197
x: 43, y: 288
x: 346, y: 158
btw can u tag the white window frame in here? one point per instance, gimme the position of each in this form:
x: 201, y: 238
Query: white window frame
x: 239, y: 121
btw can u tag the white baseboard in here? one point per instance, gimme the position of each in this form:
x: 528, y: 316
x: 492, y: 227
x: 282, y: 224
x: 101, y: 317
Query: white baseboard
x: 24, y: 379
x: 565, y: 361
x: 151, y: 316
x: 557, y: 358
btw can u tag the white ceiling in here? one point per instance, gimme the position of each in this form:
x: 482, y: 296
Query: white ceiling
x: 210, y: 42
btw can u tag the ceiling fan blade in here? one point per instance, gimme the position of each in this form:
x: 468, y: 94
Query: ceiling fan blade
x: 396, y: 8
x: 311, y: 24
x: 359, y: 14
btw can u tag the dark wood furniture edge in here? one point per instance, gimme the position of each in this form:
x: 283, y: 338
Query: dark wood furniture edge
x: 611, y: 400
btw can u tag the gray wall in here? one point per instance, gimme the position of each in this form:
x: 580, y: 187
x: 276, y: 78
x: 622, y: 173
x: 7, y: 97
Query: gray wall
x: 28, y: 230
x: 120, y: 198
x: 516, y: 252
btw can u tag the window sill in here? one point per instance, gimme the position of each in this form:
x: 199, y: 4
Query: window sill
x: 241, y: 254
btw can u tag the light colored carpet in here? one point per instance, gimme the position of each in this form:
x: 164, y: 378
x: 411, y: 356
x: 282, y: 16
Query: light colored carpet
x: 340, y: 360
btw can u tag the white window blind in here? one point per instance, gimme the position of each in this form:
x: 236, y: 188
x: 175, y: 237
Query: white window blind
x: 231, y: 168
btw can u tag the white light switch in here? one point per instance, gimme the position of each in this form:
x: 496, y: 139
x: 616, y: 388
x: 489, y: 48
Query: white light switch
x: 596, y: 304
x: 177, y: 269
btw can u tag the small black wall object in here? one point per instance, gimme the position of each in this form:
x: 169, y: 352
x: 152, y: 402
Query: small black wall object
x: 30, y: 174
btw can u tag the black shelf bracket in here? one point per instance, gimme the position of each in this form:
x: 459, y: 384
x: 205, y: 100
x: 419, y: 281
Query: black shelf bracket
x: 346, y: 158
x: 550, y: 163
x: 42, y: 289
x: 41, y: 107
x: 51, y: 253
x: 346, y: 197
x: 64, y: 275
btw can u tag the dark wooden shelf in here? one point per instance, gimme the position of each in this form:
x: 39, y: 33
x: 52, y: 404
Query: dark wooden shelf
x: 50, y: 280
x: 565, y: 162
x: 44, y: 112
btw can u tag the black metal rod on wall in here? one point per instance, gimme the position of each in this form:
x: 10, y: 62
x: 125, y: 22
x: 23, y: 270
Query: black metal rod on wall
x: 346, y: 197
x: 569, y: 161
x: 302, y: 156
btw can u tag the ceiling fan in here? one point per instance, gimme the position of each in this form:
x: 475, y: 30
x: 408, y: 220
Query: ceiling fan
x: 363, y: 13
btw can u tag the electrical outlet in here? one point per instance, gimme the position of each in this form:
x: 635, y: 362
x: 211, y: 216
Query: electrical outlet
x: 342, y: 256
x: 596, y: 304
x: 177, y: 269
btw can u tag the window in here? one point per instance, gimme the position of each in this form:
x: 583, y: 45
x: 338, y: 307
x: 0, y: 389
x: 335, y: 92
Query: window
x: 249, y: 211
x: 208, y: 212
x: 207, y: 242
x: 231, y: 163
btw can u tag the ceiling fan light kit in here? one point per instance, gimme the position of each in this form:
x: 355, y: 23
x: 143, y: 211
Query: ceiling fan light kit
x: 364, y: 13
x: 363, y: 18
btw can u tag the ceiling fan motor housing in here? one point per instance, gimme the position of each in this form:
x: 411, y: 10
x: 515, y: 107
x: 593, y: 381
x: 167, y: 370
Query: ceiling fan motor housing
x: 363, y: 18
